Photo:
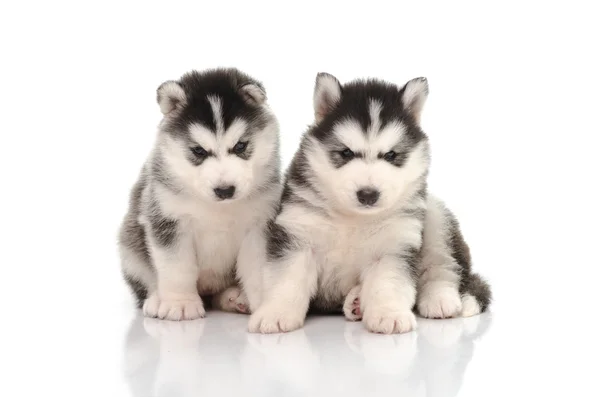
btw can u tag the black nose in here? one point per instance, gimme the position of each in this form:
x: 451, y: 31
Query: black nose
x: 367, y: 196
x: 225, y: 192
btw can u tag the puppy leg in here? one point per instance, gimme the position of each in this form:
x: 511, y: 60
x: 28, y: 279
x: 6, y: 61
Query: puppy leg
x: 388, y: 296
x: 250, y: 266
x: 439, y: 272
x: 438, y: 293
x: 290, y: 282
x: 447, y: 285
x: 176, y: 297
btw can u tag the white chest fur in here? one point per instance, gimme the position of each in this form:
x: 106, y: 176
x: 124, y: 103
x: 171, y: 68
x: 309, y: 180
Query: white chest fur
x: 218, y: 236
x: 344, y: 247
x: 217, y: 229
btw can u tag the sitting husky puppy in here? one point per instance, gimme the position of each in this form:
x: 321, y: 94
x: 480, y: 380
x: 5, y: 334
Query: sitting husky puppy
x: 356, y: 220
x: 211, y: 177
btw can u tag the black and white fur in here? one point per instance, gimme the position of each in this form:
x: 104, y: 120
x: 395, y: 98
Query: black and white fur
x: 356, y: 220
x: 212, y: 176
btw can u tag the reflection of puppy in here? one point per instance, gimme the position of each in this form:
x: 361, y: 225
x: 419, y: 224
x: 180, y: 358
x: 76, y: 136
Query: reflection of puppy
x: 178, y: 358
x: 174, y: 335
x: 316, y: 361
x: 445, y: 350
x: 387, y: 362
x: 141, y: 359
x: 211, y: 178
x: 166, y: 358
x: 288, y: 359
x: 395, y: 355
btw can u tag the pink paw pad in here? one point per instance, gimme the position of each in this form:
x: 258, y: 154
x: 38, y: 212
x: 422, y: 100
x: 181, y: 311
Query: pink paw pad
x: 356, y: 307
x: 239, y: 307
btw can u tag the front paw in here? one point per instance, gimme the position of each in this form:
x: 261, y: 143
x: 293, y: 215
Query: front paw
x: 176, y: 309
x: 270, y: 320
x: 389, y: 322
x: 439, y: 302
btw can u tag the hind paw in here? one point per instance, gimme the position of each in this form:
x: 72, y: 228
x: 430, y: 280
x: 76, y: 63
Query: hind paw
x: 232, y: 300
x: 441, y: 302
x: 470, y: 307
x: 352, y: 305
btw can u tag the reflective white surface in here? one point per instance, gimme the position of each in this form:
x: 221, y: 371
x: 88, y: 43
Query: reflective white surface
x: 112, y: 351
x: 329, y: 356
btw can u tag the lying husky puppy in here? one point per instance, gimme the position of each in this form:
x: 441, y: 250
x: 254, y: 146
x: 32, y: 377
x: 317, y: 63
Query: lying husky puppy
x: 212, y: 176
x: 356, y: 220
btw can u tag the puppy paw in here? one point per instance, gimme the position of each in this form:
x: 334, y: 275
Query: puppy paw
x: 470, y: 306
x: 150, y: 307
x: 188, y: 307
x: 442, y: 302
x: 389, y: 322
x: 231, y: 300
x: 352, y: 305
x: 270, y: 320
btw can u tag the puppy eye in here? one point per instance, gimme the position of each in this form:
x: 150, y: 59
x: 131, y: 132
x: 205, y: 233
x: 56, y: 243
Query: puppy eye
x: 199, y: 151
x: 390, y: 156
x: 347, y: 154
x: 240, y: 147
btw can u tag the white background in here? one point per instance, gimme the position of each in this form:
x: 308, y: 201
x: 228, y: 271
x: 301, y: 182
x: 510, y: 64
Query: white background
x: 513, y: 121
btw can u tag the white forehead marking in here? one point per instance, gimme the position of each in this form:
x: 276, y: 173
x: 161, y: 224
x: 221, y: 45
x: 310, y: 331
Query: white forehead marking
x: 220, y: 144
x: 382, y: 140
x: 374, y: 111
x: 388, y: 137
x: 215, y: 105
x: 233, y: 133
x: 203, y: 136
x: 376, y: 140
x: 350, y: 133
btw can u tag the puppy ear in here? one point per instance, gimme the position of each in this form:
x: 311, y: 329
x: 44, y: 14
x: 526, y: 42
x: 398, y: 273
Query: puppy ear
x: 328, y: 92
x: 414, y: 94
x: 170, y: 97
x: 253, y: 94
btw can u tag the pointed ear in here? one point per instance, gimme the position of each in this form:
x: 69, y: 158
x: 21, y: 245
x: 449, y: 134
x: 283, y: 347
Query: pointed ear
x: 328, y: 92
x: 170, y: 97
x: 253, y: 94
x: 414, y: 94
